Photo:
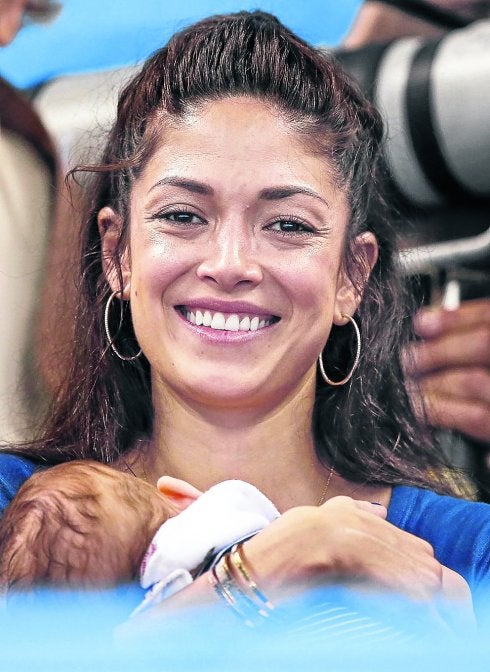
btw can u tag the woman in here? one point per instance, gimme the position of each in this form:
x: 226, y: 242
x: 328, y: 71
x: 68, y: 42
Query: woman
x: 227, y: 263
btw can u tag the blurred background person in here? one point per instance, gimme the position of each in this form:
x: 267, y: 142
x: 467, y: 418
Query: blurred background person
x: 27, y: 189
x: 451, y: 361
x: 386, y: 20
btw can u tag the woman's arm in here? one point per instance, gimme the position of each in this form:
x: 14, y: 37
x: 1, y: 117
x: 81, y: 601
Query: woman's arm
x: 340, y: 542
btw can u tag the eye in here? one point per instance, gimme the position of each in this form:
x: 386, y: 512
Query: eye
x: 180, y: 217
x: 289, y: 226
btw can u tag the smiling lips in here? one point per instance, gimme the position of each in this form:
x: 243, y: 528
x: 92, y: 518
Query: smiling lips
x: 226, y: 321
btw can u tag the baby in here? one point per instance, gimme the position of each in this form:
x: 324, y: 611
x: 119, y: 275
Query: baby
x: 84, y: 524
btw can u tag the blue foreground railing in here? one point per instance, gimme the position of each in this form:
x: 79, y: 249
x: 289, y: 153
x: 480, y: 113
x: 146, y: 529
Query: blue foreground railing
x: 84, y: 632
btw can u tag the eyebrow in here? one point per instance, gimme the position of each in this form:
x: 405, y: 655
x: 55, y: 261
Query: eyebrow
x: 189, y: 185
x: 286, y: 191
x: 268, y: 194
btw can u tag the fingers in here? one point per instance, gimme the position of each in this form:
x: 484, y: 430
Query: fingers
x: 459, y: 399
x: 456, y: 607
x: 374, y: 508
x: 467, y: 416
x: 452, y: 367
x: 454, y: 587
x: 371, y: 507
x: 367, y: 547
x: 407, y: 565
x: 434, y: 322
x: 469, y: 383
x: 452, y: 337
x: 469, y: 347
x: 343, y: 540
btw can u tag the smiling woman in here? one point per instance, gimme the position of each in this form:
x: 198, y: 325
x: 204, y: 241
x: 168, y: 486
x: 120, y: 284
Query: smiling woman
x: 228, y: 247
x: 232, y: 255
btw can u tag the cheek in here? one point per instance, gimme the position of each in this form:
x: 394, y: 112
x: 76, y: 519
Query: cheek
x: 155, y: 264
x: 311, y: 281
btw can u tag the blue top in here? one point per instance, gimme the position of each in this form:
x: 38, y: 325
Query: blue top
x: 14, y: 470
x: 422, y: 512
x: 458, y: 531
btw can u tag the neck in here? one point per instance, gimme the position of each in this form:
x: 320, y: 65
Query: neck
x: 273, y: 448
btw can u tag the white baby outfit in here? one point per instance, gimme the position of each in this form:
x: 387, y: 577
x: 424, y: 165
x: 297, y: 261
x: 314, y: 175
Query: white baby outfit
x: 225, y: 514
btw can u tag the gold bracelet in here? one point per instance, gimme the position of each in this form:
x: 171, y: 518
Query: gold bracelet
x: 238, y: 560
x: 228, y: 590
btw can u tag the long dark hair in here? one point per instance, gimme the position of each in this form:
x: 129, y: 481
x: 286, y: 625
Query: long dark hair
x: 366, y: 428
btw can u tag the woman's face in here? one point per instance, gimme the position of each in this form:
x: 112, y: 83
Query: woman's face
x: 234, y: 269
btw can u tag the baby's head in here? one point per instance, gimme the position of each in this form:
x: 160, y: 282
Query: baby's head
x: 79, y: 524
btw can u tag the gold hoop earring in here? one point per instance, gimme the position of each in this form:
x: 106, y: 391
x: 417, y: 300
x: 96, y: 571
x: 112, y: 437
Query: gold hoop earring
x: 108, y: 334
x: 356, y: 358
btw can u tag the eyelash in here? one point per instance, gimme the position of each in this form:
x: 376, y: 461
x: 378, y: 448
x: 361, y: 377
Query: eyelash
x: 181, y: 211
x: 304, y: 231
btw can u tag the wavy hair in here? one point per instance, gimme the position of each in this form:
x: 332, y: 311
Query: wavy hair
x: 367, y: 427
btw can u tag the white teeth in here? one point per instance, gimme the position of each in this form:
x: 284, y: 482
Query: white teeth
x: 245, y: 324
x: 218, y: 321
x: 232, y: 323
x: 254, y: 324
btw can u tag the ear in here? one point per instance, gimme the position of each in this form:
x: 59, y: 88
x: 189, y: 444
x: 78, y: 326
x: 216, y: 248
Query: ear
x: 177, y: 493
x: 110, y: 229
x: 350, y: 285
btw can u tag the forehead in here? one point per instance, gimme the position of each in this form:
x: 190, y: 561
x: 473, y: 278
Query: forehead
x: 242, y: 140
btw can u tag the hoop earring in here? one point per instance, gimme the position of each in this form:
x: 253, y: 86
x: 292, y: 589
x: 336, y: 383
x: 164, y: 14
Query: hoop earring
x: 356, y: 358
x: 108, y: 334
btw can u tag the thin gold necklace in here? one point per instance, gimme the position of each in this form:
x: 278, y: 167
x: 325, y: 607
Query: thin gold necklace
x: 321, y: 501
x: 323, y: 496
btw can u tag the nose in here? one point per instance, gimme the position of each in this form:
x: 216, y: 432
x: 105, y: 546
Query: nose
x: 231, y: 261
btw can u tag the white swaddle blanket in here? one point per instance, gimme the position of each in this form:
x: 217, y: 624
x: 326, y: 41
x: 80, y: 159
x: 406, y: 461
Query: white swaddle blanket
x: 224, y: 514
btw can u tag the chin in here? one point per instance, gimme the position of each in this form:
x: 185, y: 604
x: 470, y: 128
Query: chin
x: 226, y: 394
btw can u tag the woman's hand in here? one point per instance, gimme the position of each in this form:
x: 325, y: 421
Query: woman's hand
x: 345, y: 540
x: 452, y: 367
x: 342, y: 541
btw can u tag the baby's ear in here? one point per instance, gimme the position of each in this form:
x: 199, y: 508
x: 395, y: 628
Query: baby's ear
x: 177, y: 493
